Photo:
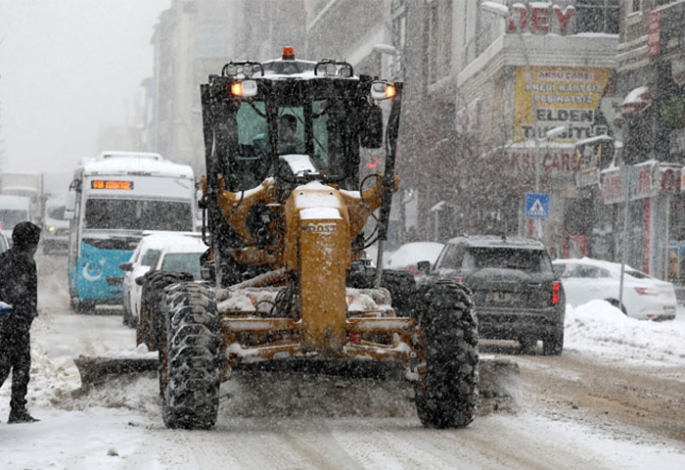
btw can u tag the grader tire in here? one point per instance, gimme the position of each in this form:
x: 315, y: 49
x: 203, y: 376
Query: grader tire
x: 189, y: 367
x: 447, y: 393
x: 147, y: 327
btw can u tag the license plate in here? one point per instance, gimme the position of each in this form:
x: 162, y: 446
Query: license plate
x: 501, y: 297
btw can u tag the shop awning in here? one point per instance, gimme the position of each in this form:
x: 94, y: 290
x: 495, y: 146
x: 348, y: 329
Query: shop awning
x: 636, y: 101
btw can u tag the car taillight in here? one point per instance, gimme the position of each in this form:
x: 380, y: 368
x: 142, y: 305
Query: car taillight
x: 556, y: 292
x: 459, y: 279
x: 646, y: 291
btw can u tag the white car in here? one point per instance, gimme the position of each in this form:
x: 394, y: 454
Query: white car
x: 183, y: 255
x: 142, y: 259
x: 408, y: 256
x: 644, y: 297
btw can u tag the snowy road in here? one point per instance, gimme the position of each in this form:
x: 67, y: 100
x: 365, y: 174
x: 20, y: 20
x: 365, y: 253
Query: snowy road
x: 613, y: 400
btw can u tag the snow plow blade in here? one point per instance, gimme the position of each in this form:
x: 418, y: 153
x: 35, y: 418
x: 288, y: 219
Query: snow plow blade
x: 499, y: 378
x: 95, y: 370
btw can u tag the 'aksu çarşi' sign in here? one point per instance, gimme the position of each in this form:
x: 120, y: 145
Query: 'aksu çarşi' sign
x: 564, y: 96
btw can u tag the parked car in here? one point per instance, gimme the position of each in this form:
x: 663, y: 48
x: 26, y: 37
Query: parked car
x: 516, y: 294
x: 142, y: 259
x: 644, y: 297
x: 408, y: 256
x: 55, y: 234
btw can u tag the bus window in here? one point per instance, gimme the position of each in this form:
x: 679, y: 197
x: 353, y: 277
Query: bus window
x: 124, y: 214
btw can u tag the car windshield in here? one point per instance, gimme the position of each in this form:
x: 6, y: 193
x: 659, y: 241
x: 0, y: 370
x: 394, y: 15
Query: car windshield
x: 183, y: 262
x: 507, y: 258
x: 129, y: 214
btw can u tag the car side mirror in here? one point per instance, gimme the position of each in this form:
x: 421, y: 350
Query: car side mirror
x: 70, y: 206
x: 126, y: 267
x: 424, y: 266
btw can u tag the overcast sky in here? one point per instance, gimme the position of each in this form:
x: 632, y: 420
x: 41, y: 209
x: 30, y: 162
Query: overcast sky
x: 67, y: 69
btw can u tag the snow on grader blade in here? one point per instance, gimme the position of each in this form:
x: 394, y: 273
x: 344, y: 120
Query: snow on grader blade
x: 499, y: 377
x: 95, y: 370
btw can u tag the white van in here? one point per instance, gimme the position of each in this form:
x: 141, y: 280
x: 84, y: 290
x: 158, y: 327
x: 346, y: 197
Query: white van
x: 13, y: 209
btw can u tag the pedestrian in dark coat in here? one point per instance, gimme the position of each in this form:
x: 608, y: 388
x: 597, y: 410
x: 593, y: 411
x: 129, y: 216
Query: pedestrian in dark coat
x: 19, y: 288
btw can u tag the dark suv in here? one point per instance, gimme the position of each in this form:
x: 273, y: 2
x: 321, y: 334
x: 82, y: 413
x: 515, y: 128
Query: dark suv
x: 516, y: 293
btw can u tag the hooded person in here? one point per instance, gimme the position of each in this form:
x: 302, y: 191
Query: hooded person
x: 18, y: 288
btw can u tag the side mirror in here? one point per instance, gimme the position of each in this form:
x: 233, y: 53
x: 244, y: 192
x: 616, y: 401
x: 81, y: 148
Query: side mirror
x: 382, y: 90
x: 424, y: 267
x: 70, y: 206
x: 126, y: 267
x: 371, y: 135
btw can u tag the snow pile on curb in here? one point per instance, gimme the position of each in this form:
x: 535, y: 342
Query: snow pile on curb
x: 604, y: 330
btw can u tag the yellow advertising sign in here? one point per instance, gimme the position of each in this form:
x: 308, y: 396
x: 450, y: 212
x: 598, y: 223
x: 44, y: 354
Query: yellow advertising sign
x: 564, y: 96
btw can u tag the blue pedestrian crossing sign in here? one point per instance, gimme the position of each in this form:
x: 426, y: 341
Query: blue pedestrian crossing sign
x: 537, y: 205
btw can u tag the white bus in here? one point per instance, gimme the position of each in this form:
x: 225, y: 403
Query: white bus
x: 112, y: 199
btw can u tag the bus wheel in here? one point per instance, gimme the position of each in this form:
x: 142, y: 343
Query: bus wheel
x: 86, y: 307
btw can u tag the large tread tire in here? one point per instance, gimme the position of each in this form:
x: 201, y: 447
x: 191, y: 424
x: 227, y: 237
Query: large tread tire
x: 152, y: 295
x: 553, y: 342
x: 447, y: 392
x: 189, y: 365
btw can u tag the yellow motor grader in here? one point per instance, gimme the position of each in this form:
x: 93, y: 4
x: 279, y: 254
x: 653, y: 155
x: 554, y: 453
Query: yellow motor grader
x: 286, y: 276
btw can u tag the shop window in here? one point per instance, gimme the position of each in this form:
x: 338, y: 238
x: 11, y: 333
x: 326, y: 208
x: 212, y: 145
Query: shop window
x: 597, y: 16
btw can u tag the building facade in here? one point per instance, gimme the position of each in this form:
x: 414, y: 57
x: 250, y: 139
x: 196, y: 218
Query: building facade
x: 502, y: 84
x: 650, y: 77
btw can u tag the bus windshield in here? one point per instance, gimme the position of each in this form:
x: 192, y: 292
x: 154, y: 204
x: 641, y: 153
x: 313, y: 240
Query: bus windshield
x: 126, y: 214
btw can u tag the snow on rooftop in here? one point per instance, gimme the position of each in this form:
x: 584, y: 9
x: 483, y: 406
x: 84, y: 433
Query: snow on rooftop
x: 135, y: 164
